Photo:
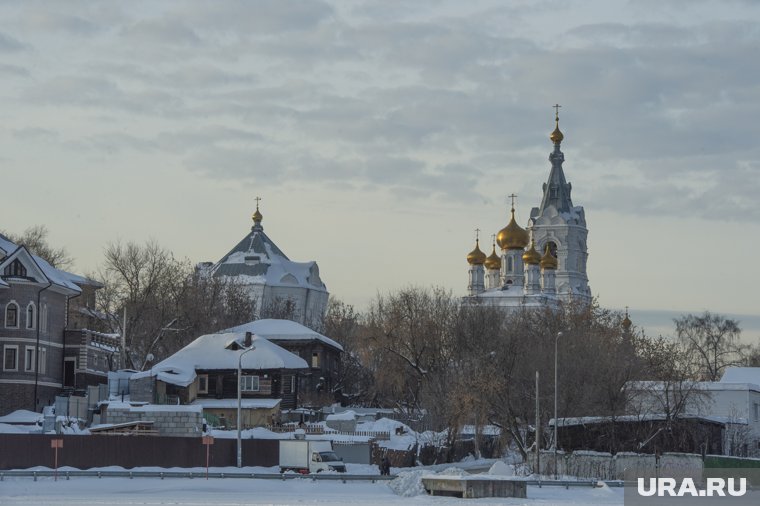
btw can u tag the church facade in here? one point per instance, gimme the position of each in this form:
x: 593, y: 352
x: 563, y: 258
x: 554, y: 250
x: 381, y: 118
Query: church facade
x: 278, y: 286
x: 543, y: 264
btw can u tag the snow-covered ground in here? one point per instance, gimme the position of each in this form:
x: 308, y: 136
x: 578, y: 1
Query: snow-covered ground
x: 232, y: 492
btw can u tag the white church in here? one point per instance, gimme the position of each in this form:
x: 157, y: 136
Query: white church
x: 540, y: 265
x: 271, y: 278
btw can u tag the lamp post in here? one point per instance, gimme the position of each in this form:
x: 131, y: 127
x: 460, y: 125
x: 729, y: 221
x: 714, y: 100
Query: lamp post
x: 556, y: 420
x: 239, y: 372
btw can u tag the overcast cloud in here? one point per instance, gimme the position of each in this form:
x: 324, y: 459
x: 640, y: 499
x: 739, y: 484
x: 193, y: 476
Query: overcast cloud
x: 426, y: 107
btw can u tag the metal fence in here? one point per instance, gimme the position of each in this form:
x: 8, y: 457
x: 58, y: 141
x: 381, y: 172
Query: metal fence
x: 23, y: 451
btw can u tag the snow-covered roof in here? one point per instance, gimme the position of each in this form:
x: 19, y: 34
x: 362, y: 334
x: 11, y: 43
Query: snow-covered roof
x: 21, y: 416
x: 232, y: 403
x: 741, y: 375
x: 283, y: 330
x: 66, y: 280
x: 345, y: 415
x: 161, y: 408
x: 211, y: 352
x: 257, y: 260
x: 646, y: 417
x: 719, y: 386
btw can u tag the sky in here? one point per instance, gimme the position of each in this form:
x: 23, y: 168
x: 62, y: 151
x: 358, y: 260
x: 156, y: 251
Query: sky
x: 380, y: 135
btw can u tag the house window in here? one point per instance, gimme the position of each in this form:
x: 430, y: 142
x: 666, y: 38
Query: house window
x: 293, y: 384
x: 249, y: 383
x: 30, y: 316
x: 10, y: 358
x: 16, y: 268
x: 29, y: 359
x: 44, y: 318
x: 203, y: 383
x: 757, y: 412
x: 42, y: 361
x: 11, y: 315
x: 315, y: 359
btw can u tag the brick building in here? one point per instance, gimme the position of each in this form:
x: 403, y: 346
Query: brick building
x: 36, y: 306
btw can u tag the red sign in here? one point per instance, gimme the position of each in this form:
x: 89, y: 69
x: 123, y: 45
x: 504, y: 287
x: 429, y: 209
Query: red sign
x: 208, y: 440
x: 56, y: 443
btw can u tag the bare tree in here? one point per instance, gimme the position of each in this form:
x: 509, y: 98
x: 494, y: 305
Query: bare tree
x: 355, y: 381
x: 711, y: 343
x: 36, y: 241
x: 163, y: 301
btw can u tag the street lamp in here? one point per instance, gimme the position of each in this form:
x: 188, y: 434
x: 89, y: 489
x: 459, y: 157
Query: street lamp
x: 239, y: 372
x: 556, y: 420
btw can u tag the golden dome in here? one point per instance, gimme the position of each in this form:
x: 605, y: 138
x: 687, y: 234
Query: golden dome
x: 556, y: 136
x: 548, y: 261
x: 476, y: 257
x: 493, y: 261
x: 627, y: 321
x: 257, y: 216
x: 532, y: 257
x: 513, y: 236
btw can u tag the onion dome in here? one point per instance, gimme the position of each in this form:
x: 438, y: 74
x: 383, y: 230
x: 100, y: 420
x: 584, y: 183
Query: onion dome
x: 556, y: 136
x: 532, y: 257
x: 493, y: 262
x: 476, y: 257
x: 257, y: 216
x: 548, y: 261
x: 626, y: 321
x: 513, y: 236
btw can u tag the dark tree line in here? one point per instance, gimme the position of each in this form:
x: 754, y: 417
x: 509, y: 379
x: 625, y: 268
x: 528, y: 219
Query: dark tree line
x: 424, y: 351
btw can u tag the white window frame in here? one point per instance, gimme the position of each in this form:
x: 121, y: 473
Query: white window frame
x: 203, y: 382
x: 18, y: 316
x: 29, y: 359
x: 44, y: 317
x: 42, y: 361
x: 315, y: 360
x: 250, y: 383
x: 7, y: 347
x: 31, y: 325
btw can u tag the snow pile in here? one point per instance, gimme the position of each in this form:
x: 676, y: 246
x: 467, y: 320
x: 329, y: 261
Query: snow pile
x: 409, y: 483
x: 499, y: 468
x: 452, y: 471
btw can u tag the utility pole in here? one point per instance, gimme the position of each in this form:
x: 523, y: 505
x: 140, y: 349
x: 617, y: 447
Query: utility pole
x: 538, y: 433
x: 556, y: 420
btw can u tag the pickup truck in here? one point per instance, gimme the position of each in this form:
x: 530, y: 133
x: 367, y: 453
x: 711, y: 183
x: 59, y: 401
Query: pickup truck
x: 308, y: 456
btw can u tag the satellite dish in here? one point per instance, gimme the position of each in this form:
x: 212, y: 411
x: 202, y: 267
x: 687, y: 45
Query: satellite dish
x: 150, y: 357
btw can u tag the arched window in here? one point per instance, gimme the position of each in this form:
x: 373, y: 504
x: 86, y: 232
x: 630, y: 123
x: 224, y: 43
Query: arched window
x: 11, y: 315
x: 30, y: 316
x: 552, y: 248
x: 509, y: 264
x: 44, y: 318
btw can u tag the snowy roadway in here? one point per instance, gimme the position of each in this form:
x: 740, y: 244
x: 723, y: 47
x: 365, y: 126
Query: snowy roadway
x: 234, y: 492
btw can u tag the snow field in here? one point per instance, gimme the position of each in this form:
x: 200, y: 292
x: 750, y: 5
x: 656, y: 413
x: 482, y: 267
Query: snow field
x: 238, y: 492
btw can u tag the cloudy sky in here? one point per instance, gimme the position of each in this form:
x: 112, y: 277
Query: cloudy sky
x: 381, y: 134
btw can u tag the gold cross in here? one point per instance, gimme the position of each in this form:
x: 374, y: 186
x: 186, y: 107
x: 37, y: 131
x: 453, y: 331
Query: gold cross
x: 257, y: 199
x: 477, y: 234
x: 556, y: 111
x: 513, y: 197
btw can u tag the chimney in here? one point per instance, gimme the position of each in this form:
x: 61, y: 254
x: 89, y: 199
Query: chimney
x: 248, y: 340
